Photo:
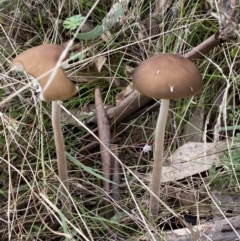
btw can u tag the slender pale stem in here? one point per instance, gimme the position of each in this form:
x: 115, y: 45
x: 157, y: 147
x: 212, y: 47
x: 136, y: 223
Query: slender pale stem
x: 158, y: 158
x: 60, y: 148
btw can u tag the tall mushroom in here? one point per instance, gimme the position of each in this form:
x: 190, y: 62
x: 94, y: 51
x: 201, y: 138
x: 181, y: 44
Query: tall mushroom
x: 165, y: 77
x: 36, y: 62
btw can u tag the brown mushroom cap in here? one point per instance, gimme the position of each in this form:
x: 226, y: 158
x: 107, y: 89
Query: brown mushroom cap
x: 37, y: 61
x: 167, y: 76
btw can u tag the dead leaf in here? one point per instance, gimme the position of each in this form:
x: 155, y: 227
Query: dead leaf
x: 106, y: 36
x: 124, y: 93
x: 129, y: 71
x: 193, y: 158
x: 99, y: 62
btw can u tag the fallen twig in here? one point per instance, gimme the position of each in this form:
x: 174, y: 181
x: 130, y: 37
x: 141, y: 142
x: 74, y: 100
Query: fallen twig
x: 104, y: 136
x: 217, y: 230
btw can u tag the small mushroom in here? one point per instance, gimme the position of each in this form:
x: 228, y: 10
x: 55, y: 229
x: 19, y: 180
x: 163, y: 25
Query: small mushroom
x: 39, y: 62
x: 165, y: 77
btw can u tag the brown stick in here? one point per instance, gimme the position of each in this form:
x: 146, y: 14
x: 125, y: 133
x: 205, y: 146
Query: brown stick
x: 104, y: 136
x: 218, y: 230
x: 129, y: 105
x: 204, y: 47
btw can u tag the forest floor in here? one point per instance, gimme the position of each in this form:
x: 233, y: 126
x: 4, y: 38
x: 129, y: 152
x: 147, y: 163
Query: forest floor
x: 199, y: 197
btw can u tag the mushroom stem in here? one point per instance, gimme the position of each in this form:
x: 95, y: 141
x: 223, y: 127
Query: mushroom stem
x: 60, y: 149
x: 158, y: 158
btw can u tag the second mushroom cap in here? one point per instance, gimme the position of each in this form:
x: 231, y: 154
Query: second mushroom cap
x: 38, y: 60
x: 167, y: 76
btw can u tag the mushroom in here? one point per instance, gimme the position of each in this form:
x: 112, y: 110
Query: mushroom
x: 38, y: 62
x: 165, y: 77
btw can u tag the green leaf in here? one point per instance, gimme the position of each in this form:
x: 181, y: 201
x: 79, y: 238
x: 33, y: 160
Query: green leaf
x: 96, y: 32
x: 234, y: 52
x: 73, y: 22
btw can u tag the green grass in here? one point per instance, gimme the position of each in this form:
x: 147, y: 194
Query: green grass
x: 29, y: 195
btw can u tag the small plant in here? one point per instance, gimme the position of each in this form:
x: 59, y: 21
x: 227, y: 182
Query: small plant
x: 73, y: 22
x: 113, y: 17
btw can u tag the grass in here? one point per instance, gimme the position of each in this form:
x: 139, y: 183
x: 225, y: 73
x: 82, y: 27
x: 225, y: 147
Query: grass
x: 29, y: 194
